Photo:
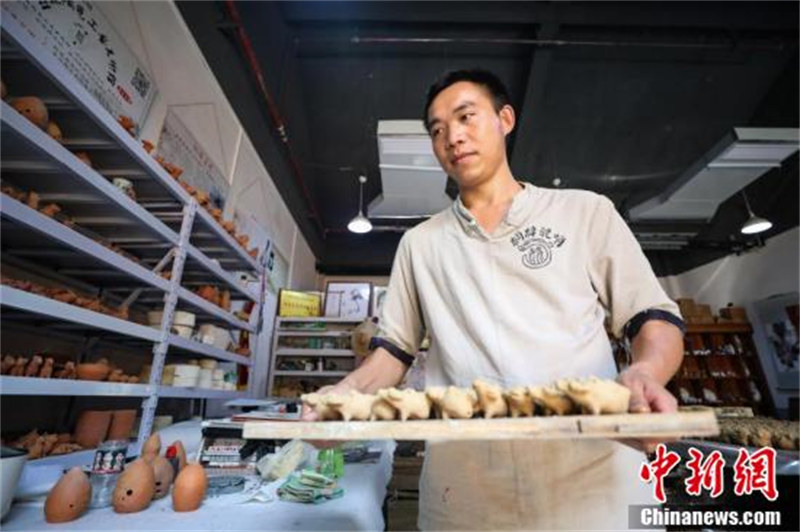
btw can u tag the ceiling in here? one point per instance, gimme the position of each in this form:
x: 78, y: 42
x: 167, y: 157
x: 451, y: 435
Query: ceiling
x: 618, y: 98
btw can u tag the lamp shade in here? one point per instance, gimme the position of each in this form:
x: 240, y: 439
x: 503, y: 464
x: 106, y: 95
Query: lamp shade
x: 754, y: 225
x: 360, y: 224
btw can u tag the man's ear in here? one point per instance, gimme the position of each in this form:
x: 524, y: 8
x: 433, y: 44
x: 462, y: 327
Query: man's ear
x: 508, y: 119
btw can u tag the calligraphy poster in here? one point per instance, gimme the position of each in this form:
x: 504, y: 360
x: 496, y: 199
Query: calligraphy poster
x: 83, y: 40
x: 179, y: 146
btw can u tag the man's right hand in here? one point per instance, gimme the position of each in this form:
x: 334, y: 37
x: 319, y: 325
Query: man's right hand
x: 308, y: 414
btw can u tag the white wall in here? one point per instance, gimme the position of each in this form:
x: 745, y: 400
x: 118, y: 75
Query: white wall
x: 742, y: 280
x: 157, y: 34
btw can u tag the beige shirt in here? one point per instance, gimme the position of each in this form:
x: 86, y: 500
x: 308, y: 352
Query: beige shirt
x: 523, y: 305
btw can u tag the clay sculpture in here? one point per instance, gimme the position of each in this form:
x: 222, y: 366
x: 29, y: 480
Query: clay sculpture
x: 382, y: 410
x: 318, y: 403
x: 69, y: 498
x: 519, y: 402
x: 596, y: 396
x: 135, y: 487
x: 352, y: 405
x: 490, y: 398
x: 31, y: 108
x: 410, y: 404
x: 551, y: 400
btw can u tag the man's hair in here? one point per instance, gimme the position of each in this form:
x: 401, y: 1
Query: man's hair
x: 484, y: 78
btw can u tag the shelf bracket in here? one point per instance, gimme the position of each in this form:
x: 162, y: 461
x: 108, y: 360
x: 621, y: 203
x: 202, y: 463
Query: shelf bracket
x: 170, y: 302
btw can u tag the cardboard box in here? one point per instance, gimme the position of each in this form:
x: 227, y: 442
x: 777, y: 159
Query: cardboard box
x: 736, y: 314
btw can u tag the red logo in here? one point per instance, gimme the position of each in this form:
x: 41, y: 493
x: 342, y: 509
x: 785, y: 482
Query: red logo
x: 706, y: 474
x: 755, y: 472
x: 656, y: 470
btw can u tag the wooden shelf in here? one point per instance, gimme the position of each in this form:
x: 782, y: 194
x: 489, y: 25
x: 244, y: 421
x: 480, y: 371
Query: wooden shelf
x: 718, y: 328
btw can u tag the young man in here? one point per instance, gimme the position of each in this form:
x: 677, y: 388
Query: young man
x: 511, y: 283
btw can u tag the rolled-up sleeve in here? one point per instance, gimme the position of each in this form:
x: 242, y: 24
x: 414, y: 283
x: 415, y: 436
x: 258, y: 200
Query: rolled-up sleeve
x: 619, y: 270
x: 401, y: 320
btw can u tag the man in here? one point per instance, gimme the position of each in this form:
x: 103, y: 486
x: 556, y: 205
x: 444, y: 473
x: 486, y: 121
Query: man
x: 511, y: 283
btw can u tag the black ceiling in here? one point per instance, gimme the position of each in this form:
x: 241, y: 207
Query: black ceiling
x: 619, y: 98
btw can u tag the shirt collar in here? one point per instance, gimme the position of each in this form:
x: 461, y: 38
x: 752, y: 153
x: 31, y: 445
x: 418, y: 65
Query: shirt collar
x: 517, y: 212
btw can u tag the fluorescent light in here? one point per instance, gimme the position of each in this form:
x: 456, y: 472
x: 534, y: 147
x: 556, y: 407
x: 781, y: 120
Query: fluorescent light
x: 360, y: 224
x: 755, y: 225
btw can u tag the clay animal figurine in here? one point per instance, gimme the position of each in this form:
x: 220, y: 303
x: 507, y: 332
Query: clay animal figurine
x: 519, y: 402
x: 490, y: 397
x: 318, y: 403
x: 410, y: 404
x: 33, y: 366
x: 551, y: 400
x: 382, y: 410
x: 352, y: 405
x: 596, y: 396
x: 47, y: 369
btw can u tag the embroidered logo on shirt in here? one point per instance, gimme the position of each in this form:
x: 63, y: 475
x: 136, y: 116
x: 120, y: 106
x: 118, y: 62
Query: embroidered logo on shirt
x: 536, y: 245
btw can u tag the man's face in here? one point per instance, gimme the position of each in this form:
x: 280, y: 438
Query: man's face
x: 468, y: 135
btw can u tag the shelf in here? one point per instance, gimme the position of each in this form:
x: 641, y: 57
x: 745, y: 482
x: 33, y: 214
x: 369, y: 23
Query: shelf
x: 208, y: 350
x: 219, y: 314
x: 692, y: 328
x: 44, y: 306
x: 312, y: 374
x: 49, y: 231
x: 87, y: 125
x: 314, y: 334
x: 198, y: 393
x: 70, y: 387
x: 319, y: 319
x: 286, y: 351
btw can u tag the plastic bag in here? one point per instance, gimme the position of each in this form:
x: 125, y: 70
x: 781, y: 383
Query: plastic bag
x: 290, y: 457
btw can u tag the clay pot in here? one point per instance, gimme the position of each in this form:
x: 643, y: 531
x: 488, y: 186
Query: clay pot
x: 31, y: 108
x: 92, y: 427
x: 93, y: 372
x: 121, y: 424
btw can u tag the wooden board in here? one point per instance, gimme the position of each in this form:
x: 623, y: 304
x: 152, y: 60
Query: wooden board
x: 613, y: 426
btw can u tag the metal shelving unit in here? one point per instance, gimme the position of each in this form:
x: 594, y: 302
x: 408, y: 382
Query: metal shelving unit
x: 310, y: 328
x: 164, y: 229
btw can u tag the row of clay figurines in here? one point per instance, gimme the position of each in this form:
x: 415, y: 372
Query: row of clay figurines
x: 563, y: 397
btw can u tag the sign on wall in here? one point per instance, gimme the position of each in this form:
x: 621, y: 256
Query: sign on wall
x: 83, y: 40
x: 179, y: 146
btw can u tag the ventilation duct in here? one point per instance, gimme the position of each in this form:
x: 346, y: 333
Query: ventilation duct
x: 412, y: 180
x: 740, y: 158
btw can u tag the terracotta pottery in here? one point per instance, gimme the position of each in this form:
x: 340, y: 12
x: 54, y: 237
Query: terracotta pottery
x: 69, y: 498
x: 93, y: 372
x: 92, y: 427
x: 135, y: 488
x: 54, y: 131
x: 190, y: 488
x: 121, y: 424
x: 31, y: 108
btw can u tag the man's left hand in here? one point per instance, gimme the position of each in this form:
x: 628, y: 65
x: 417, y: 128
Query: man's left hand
x: 647, y: 395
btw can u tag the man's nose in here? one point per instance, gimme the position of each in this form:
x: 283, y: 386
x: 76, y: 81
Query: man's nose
x: 455, y: 136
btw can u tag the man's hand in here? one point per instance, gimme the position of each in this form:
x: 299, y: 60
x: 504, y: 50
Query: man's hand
x: 647, y: 395
x: 307, y: 414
